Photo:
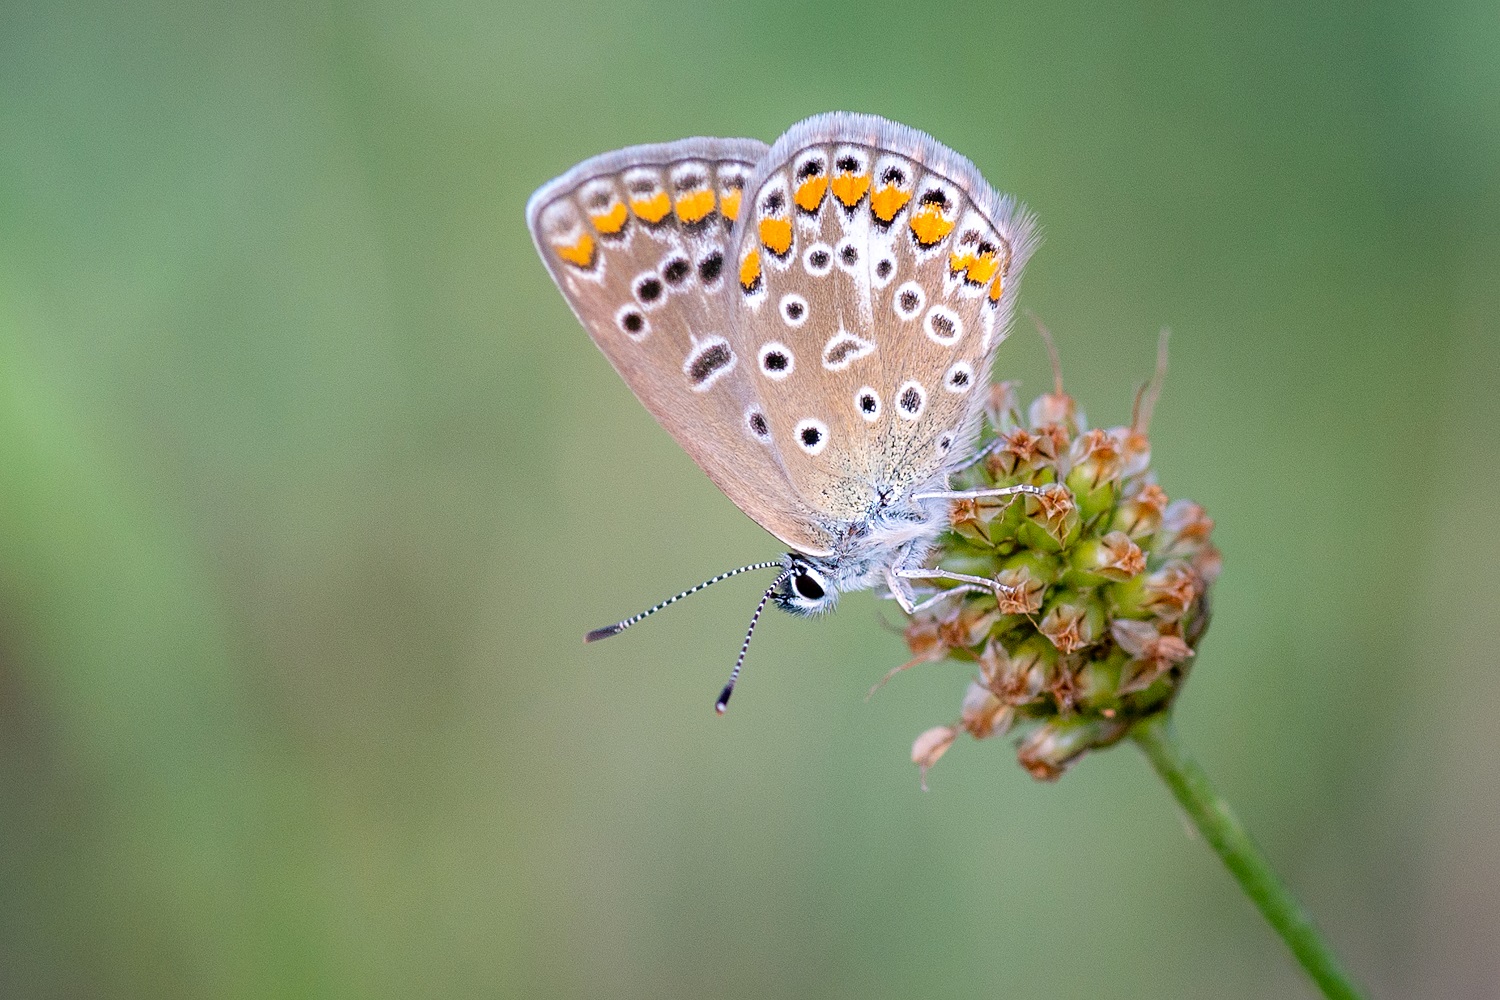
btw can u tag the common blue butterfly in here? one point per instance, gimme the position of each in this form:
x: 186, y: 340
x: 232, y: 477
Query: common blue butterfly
x: 814, y: 322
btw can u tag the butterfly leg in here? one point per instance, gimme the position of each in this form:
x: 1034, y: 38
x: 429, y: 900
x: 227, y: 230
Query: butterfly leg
x: 942, y: 595
x: 897, y: 579
x: 1001, y: 491
x: 901, y: 591
x: 896, y: 582
x: 989, y: 586
x: 977, y: 457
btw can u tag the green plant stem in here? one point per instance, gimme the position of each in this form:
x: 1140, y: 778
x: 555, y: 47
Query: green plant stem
x: 1221, y: 828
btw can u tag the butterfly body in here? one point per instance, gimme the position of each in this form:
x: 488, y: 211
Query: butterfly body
x: 813, y: 321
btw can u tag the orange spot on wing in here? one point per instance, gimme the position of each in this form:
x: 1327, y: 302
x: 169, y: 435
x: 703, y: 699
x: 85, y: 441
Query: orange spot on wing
x: 887, y: 201
x: 580, y: 254
x: 611, y: 222
x: 849, y: 188
x: 695, y: 206
x: 750, y: 269
x: 730, y: 205
x: 928, y: 224
x: 997, y: 289
x: 652, y: 209
x: 810, y: 193
x: 776, y: 235
x: 983, y: 268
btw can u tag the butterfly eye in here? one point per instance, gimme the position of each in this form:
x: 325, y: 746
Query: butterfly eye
x: 807, y: 587
x: 805, y: 591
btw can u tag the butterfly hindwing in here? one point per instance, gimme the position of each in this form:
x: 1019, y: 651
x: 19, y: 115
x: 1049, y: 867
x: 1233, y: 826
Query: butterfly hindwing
x: 637, y: 241
x: 877, y: 274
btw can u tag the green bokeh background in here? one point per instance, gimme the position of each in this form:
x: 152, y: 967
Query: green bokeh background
x: 309, y: 484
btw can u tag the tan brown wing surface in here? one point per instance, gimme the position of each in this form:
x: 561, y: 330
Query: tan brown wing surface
x: 885, y: 269
x: 637, y: 241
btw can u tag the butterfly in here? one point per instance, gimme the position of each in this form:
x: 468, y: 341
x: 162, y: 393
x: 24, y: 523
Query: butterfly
x: 814, y: 323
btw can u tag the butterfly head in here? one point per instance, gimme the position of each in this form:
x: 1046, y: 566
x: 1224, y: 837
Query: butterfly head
x: 805, y: 588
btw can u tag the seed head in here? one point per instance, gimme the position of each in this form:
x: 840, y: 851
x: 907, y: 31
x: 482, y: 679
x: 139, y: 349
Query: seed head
x: 1101, y: 584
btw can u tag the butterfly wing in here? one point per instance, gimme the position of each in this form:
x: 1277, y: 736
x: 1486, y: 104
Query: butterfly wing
x: 877, y: 274
x: 637, y: 241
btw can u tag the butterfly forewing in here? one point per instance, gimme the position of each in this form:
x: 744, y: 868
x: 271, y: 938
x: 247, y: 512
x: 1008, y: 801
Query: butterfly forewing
x: 877, y: 272
x: 637, y: 240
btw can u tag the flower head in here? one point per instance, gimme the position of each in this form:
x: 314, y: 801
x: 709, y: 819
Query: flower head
x: 1101, y: 581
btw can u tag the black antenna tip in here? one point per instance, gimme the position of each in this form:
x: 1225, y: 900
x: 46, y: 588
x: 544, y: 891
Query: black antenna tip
x: 604, y: 633
x: 722, y: 704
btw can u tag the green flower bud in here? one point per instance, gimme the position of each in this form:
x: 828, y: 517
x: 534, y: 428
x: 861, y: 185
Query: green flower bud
x: 1135, y: 450
x: 925, y: 639
x: 1096, y: 472
x: 1208, y: 562
x: 1139, y: 514
x: 1001, y: 409
x: 969, y: 624
x: 1026, y: 577
x: 1152, y: 651
x: 1052, y: 521
x: 1056, y: 409
x: 1092, y: 503
x: 1111, y: 558
x: 1185, y: 528
x: 1165, y: 594
x: 984, y: 714
x: 1048, y: 751
x: 1023, y: 457
x: 1099, y: 685
x: 1073, y: 621
x: 966, y: 518
x: 970, y: 560
x: 930, y: 746
x: 1020, y: 676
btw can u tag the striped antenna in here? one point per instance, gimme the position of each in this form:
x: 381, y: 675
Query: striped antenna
x: 722, y: 704
x: 618, y: 627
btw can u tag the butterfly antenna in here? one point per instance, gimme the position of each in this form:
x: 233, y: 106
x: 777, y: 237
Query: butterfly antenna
x: 734, y: 675
x: 618, y: 627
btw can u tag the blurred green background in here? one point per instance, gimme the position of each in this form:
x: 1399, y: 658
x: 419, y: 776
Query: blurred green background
x: 309, y: 485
